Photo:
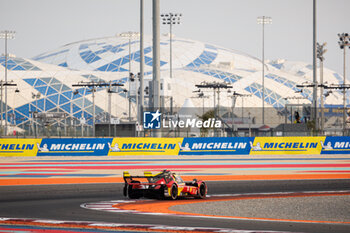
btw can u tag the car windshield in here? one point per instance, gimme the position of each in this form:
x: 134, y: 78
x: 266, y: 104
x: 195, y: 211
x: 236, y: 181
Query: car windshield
x: 166, y: 175
x: 178, y: 179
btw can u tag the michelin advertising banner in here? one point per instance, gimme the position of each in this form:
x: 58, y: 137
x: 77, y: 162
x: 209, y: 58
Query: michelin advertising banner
x: 74, y: 146
x: 145, y: 146
x: 287, y: 145
x: 336, y: 145
x: 216, y: 146
x: 175, y: 146
x: 18, y: 147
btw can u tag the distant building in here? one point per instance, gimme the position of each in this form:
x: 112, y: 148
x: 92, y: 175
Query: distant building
x: 107, y: 59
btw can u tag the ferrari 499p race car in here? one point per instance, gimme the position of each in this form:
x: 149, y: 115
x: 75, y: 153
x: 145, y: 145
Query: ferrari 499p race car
x: 164, y: 185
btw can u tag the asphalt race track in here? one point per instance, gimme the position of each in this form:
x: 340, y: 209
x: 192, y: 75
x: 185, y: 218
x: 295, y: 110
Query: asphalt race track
x: 63, y: 202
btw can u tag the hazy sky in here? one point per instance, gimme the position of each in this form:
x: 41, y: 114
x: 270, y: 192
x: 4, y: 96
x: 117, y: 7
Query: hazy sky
x: 43, y: 25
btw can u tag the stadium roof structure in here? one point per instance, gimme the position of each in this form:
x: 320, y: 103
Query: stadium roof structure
x: 53, y: 73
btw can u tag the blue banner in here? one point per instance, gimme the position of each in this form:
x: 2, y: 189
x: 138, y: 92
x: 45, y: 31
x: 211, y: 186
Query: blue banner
x: 217, y: 146
x: 74, y: 146
x: 336, y: 145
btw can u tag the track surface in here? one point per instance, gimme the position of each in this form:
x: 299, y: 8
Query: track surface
x: 62, y: 202
x: 79, y: 170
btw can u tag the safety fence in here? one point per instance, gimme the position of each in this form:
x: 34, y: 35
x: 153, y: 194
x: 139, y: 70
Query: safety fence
x: 287, y: 120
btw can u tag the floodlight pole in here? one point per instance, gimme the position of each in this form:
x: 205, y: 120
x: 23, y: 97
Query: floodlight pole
x: 214, y: 97
x: 156, y: 59
x: 170, y: 19
x: 93, y: 111
x: 344, y: 92
x: 37, y: 112
x: 234, y: 98
x: 129, y: 92
x: 131, y: 76
x: 322, y: 101
x: 242, y: 96
x: 6, y: 57
x: 6, y: 35
x: 314, y: 66
x: 1, y: 109
x: 110, y: 92
x: 31, y: 121
x: 218, y: 102
x: 249, y: 123
x: 344, y: 42
x: 71, y: 110
x: 109, y: 108
x: 320, y: 52
x: 242, y: 109
x: 142, y: 60
x: 129, y: 35
x: 36, y: 97
x: 138, y: 102
x: 82, y: 123
x: 4, y: 84
x: 75, y: 92
x: 263, y: 20
x: 13, y: 108
x: 171, y: 50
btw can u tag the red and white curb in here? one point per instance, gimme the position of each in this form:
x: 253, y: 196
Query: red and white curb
x: 119, y: 226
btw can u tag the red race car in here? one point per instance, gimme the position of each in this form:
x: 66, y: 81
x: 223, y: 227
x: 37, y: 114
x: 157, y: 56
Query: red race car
x: 164, y: 185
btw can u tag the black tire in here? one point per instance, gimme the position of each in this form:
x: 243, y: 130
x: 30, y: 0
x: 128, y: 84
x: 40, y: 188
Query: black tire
x: 133, y: 194
x: 202, y: 191
x: 173, y: 192
x: 161, y: 194
x: 125, y: 190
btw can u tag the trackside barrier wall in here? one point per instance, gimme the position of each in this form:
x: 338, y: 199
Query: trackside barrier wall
x: 175, y: 146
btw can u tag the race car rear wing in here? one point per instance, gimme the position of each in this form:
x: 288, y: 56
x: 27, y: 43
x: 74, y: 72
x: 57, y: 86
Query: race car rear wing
x: 147, y: 175
x: 128, y: 178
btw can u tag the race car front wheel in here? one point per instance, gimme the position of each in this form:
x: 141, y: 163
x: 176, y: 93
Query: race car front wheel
x: 173, y: 192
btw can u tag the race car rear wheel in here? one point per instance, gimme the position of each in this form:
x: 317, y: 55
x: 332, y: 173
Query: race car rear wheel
x: 125, y: 190
x: 134, y: 193
x: 162, y: 195
x: 202, y: 190
x: 173, y: 192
